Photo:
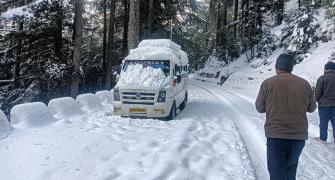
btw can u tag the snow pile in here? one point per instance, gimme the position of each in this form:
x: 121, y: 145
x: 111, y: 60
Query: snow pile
x: 5, y: 126
x: 111, y: 147
x: 89, y: 102
x: 161, y: 49
x: 217, y: 72
x: 106, y: 97
x: 34, y: 114
x: 65, y: 107
x: 137, y: 76
x: 152, y: 53
x: 160, y: 43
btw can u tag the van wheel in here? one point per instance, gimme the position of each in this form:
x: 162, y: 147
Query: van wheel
x: 183, y: 104
x: 173, y: 112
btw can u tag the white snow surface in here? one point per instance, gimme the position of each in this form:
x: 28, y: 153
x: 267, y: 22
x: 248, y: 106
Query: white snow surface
x: 33, y: 114
x: 160, y: 43
x: 20, y: 11
x: 63, y: 108
x: 25, y: 11
x: 5, y: 126
x: 138, y: 76
x: 106, y: 97
x: 158, y: 49
x: 89, y: 102
x: 201, y: 145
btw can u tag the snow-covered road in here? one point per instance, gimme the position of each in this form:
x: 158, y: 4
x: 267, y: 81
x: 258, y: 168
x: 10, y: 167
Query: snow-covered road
x: 317, y: 160
x: 218, y: 136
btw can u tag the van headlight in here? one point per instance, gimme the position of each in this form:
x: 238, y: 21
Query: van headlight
x: 161, y: 96
x: 116, y: 94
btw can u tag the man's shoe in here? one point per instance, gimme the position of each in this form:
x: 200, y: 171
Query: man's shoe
x: 320, y: 140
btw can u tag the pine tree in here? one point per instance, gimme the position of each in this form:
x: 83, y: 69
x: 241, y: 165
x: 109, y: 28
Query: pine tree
x: 300, y: 32
x: 77, y: 42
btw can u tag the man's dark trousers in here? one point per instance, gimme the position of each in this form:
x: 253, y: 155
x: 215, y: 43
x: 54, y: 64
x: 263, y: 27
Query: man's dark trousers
x: 326, y: 114
x: 283, y: 156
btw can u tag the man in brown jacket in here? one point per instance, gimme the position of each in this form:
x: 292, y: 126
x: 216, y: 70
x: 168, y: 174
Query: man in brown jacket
x: 285, y: 98
x: 325, y: 95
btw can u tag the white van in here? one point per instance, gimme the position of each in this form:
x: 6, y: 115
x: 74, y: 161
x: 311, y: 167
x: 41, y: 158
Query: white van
x: 153, y: 82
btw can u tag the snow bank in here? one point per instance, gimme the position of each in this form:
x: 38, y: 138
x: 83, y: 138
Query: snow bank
x: 35, y: 114
x: 160, y: 43
x: 5, y: 126
x: 65, y: 107
x: 137, y: 76
x: 89, y: 102
x: 105, y: 97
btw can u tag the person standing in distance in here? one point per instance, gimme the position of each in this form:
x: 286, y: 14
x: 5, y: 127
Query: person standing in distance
x: 285, y: 98
x: 325, y: 96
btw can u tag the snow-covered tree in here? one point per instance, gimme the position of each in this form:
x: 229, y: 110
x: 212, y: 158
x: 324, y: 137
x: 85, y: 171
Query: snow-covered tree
x: 299, y: 35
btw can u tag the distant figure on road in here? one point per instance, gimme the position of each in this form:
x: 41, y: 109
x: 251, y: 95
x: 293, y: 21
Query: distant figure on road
x: 285, y: 98
x: 325, y: 96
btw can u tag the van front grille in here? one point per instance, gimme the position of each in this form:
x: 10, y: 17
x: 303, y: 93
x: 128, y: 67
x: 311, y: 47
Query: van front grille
x: 138, y: 97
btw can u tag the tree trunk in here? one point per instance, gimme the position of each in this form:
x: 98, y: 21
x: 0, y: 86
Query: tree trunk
x: 150, y: 20
x: 104, y: 53
x: 235, y: 17
x: 77, y: 42
x: 213, y: 16
x: 125, y: 26
x: 134, y: 23
x: 218, y: 25
x: 299, y: 3
x: 18, y: 56
x: 259, y: 17
x: 59, y: 33
x: 110, y: 48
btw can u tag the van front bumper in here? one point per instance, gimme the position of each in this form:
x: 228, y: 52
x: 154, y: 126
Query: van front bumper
x: 157, y: 110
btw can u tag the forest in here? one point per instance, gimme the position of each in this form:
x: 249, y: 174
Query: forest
x: 57, y: 48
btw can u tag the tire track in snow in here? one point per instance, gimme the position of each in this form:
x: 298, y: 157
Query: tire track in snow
x: 212, y: 130
x: 317, y: 160
x: 254, y: 142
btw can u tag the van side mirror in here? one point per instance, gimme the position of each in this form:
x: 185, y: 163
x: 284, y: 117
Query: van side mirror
x: 178, y: 79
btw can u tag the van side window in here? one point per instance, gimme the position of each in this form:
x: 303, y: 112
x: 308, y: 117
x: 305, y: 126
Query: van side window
x: 177, y: 69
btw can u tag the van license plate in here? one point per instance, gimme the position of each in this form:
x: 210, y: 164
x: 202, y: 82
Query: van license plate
x: 137, y: 110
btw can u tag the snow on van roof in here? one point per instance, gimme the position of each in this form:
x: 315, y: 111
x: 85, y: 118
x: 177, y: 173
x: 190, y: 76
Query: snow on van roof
x: 160, y: 49
x: 160, y: 43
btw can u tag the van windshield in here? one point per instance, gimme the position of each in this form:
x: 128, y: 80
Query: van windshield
x: 164, y: 65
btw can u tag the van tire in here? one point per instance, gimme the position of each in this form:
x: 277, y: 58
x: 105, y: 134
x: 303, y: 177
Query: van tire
x: 183, y: 104
x: 173, y: 112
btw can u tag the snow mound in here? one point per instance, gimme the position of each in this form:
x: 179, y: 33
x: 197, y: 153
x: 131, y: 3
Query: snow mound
x: 89, y: 102
x: 137, y: 76
x: 65, y: 107
x: 106, y: 97
x: 153, y: 53
x: 5, y: 126
x: 160, y: 49
x: 160, y: 43
x: 34, y: 114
